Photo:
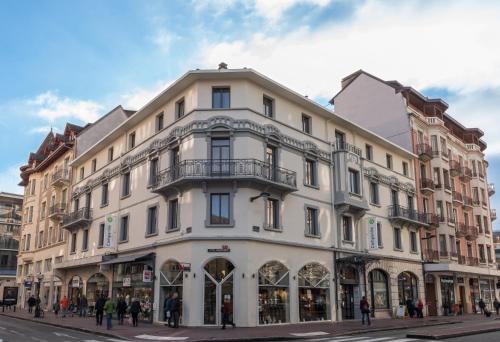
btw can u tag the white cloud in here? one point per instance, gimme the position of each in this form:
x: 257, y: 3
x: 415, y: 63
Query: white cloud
x: 51, y: 106
x: 42, y: 129
x: 164, y: 39
x: 213, y: 7
x: 138, y: 97
x: 9, y: 178
x: 273, y: 10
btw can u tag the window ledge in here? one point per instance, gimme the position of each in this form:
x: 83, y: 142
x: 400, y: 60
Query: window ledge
x: 311, y: 186
x: 151, y: 234
x: 398, y: 249
x: 348, y: 242
x: 378, y: 205
x: 126, y: 196
x: 355, y: 194
x: 414, y: 252
x: 209, y: 225
x: 103, y: 205
x: 273, y: 229
x: 123, y: 241
x: 314, y: 236
x: 172, y: 230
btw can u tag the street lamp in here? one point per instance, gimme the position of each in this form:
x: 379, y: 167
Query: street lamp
x: 262, y: 194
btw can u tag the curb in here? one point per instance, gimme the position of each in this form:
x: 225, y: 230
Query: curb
x: 455, y: 334
x: 104, y: 334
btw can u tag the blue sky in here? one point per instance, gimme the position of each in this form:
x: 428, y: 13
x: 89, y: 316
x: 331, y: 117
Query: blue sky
x: 75, y: 60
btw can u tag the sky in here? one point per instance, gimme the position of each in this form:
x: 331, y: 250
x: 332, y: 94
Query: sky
x: 74, y: 61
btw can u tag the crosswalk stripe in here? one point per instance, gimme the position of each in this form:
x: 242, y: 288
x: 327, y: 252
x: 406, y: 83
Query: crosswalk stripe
x: 378, y: 339
x: 351, y: 339
x: 404, y: 340
x: 311, y: 333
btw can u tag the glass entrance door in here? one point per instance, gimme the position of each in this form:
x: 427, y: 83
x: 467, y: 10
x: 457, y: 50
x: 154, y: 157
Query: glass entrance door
x: 347, y: 298
x: 218, y: 288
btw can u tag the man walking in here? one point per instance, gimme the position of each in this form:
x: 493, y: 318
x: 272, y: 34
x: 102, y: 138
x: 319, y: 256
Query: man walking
x: 364, y: 306
x: 121, y: 309
x: 31, y: 303
x: 175, y: 308
x: 109, y: 307
x: 496, y: 305
x: 227, y: 310
x: 482, y: 305
x: 99, y: 310
x: 64, y: 304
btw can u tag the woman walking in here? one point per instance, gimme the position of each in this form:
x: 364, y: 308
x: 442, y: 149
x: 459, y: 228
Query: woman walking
x: 135, y: 309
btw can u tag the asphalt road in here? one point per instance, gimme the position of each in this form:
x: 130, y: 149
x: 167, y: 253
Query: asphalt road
x: 16, y: 330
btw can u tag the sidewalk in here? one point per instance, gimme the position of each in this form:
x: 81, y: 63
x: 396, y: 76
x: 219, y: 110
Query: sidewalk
x: 265, y: 333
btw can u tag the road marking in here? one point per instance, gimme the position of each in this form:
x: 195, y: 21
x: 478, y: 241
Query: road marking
x: 115, y: 340
x: 161, y: 338
x: 312, y: 333
x: 16, y: 332
x: 378, y: 339
x: 39, y: 339
x: 405, y: 340
x: 63, y: 335
x: 351, y: 339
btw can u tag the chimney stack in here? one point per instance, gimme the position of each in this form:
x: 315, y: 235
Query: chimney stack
x: 222, y: 65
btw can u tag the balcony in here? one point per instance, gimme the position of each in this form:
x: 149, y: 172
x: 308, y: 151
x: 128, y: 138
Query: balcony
x: 430, y: 255
x: 342, y: 146
x: 467, y: 202
x: 472, y: 261
x: 451, y: 220
x: 465, y: 174
x: 472, y: 233
x: 424, y: 152
x: 460, y: 229
x: 447, y: 185
x: 445, y: 154
x: 199, y: 171
x: 60, y: 177
x: 491, y: 189
x: 426, y: 186
x: 454, y: 255
x: 80, y: 218
x: 57, y: 211
x: 402, y: 215
x: 457, y: 197
x: 454, y: 168
x: 432, y: 219
x: 493, y: 214
x: 443, y: 254
x: 476, y: 202
x: 462, y: 260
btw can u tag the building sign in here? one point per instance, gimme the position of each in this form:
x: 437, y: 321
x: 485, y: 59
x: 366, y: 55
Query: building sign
x: 108, y: 232
x: 224, y: 249
x: 147, y: 276
x: 127, y: 281
x: 372, y: 233
x: 75, y: 282
x: 186, y: 267
x: 27, y: 283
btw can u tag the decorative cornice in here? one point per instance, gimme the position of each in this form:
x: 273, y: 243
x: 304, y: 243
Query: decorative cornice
x: 391, y: 181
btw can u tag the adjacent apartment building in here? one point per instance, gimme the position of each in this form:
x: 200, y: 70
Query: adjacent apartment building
x: 10, y: 222
x: 451, y: 181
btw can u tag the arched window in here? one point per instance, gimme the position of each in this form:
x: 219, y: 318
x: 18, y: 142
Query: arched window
x: 314, y: 293
x: 171, y: 278
x: 219, y: 276
x: 407, y: 287
x: 97, y: 285
x: 274, y: 305
x: 379, y: 288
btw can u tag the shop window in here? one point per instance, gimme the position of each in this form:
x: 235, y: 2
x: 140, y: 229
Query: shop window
x: 407, y: 287
x: 171, y: 281
x: 97, y: 286
x: 379, y: 287
x: 314, y: 293
x: 274, y: 295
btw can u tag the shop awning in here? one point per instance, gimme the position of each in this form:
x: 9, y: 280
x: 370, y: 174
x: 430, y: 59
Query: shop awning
x: 127, y: 258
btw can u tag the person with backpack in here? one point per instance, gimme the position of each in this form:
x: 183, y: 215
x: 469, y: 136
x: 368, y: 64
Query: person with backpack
x: 364, y: 306
x: 135, y: 309
x: 121, y: 309
x: 99, y: 310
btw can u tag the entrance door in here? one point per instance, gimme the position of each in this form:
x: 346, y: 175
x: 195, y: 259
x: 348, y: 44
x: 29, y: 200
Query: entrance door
x: 219, y: 276
x: 430, y: 295
x: 347, y: 300
x: 461, y: 299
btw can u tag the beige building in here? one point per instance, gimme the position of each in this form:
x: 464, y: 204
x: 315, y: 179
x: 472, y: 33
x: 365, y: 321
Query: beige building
x: 229, y: 185
x: 46, y: 179
x: 452, y: 183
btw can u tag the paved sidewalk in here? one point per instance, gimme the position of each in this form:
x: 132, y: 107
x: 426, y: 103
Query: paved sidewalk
x: 279, y: 332
x: 467, y: 328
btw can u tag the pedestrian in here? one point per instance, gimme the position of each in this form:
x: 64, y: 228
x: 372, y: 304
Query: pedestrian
x: 496, y: 305
x: 121, y: 309
x: 99, y: 310
x: 84, y: 305
x: 167, y: 307
x: 410, y: 307
x: 56, y: 308
x: 175, y: 309
x: 109, y: 307
x: 420, y: 308
x: 482, y: 305
x: 37, y: 307
x: 227, y: 311
x: 31, y: 303
x: 64, y: 303
x: 364, y: 306
x: 135, y: 308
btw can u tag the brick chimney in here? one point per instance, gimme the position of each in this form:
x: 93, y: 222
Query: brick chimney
x: 222, y: 65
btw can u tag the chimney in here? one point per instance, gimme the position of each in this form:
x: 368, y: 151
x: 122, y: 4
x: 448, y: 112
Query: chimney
x: 222, y: 65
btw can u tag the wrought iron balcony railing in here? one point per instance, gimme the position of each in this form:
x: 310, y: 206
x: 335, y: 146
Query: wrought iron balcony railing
x: 424, y: 151
x: 454, y: 168
x: 411, y: 216
x: 491, y: 189
x: 207, y: 169
x: 472, y: 233
x: 60, y: 177
x: 79, y: 218
x: 465, y: 174
x: 461, y: 259
x: 427, y: 185
x: 57, y: 210
x: 345, y: 146
x: 472, y: 261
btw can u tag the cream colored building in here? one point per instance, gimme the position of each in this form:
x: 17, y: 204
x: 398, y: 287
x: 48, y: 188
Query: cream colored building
x: 228, y: 185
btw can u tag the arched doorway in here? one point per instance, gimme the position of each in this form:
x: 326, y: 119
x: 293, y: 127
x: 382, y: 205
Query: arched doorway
x: 407, y: 287
x: 379, y: 289
x: 218, y: 286
x: 75, y: 288
x: 314, y: 293
x: 349, y: 283
x: 274, y: 301
x: 430, y: 294
x: 171, y: 280
x: 97, y: 286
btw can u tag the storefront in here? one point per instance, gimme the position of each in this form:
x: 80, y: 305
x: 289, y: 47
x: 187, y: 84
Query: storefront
x: 75, y: 289
x: 314, y: 293
x: 379, y: 289
x: 447, y: 294
x: 474, y: 294
x: 274, y: 299
x: 97, y: 286
x: 218, y: 288
x: 171, y: 281
x: 487, y: 289
x: 349, y: 291
x: 407, y: 287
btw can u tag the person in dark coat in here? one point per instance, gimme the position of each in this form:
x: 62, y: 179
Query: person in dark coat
x: 227, y: 310
x: 121, y: 309
x: 31, y: 303
x: 482, y: 305
x: 410, y: 307
x: 135, y: 309
x: 175, y: 310
x: 364, y: 307
x: 99, y: 310
x: 167, y: 309
x: 496, y: 305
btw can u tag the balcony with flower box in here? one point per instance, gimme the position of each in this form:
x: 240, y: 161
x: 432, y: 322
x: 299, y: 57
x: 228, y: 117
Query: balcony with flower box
x: 424, y: 152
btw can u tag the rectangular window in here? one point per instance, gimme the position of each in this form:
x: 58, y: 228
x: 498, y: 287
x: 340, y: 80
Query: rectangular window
x: 486, y: 226
x: 173, y: 214
x: 153, y: 171
x: 311, y: 172
x: 388, y: 161
x: 73, y: 243
x: 354, y: 182
x: 152, y: 221
x: 312, y: 225
x: 104, y: 194
x: 397, y: 239
x: 131, y: 140
x: 126, y: 184
x: 61, y: 234
x: 306, y: 124
x: 405, y: 168
x: 85, y: 242
x: 110, y: 154
x: 179, y: 108
x: 82, y: 172
x: 159, y: 122
x: 434, y: 145
x: 221, y: 97
x: 94, y: 165
x: 488, y: 254
x: 30, y: 215
x: 268, y: 104
x: 413, y: 242
x: 42, y: 210
x: 33, y: 186
x: 220, y: 153
x: 379, y: 234
x: 481, y: 254
x: 479, y: 225
x: 40, y: 239
x: 175, y: 157
x: 45, y: 181
x: 28, y: 242
x: 347, y: 228
x: 219, y: 208
x: 101, y: 235
x: 437, y: 177
x: 369, y: 152
x: 374, y: 197
x: 442, y: 244
x: 340, y: 140
x: 124, y: 228
x: 50, y: 237
x: 453, y: 245
x: 440, y: 210
x: 272, y: 213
